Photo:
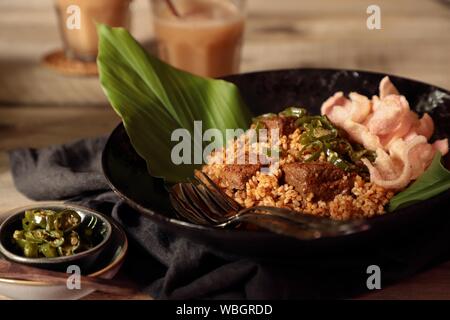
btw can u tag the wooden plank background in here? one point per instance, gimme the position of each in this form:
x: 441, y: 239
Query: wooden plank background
x: 39, y: 108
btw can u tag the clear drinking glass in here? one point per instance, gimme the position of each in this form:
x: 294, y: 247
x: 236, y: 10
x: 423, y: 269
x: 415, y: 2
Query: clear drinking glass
x: 205, y: 38
x: 77, y: 23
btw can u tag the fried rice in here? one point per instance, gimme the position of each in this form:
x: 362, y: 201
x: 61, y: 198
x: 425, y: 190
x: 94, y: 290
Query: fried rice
x: 365, y: 199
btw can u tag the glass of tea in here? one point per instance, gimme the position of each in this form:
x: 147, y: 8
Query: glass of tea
x: 203, y: 37
x: 77, y: 20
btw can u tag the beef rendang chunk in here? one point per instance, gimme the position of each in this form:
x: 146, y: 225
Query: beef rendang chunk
x: 324, y: 180
x: 236, y: 175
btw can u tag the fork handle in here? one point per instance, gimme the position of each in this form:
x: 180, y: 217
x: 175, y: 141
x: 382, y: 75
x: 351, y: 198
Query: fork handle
x: 300, y: 229
x: 277, y: 225
x: 306, y: 219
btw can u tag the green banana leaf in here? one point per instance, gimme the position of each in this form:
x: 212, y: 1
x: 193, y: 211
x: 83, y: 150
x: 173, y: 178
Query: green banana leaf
x: 434, y: 180
x: 153, y: 99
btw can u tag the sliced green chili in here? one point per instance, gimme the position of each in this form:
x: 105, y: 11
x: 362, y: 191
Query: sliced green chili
x: 47, y: 233
x: 293, y: 112
x: 319, y: 136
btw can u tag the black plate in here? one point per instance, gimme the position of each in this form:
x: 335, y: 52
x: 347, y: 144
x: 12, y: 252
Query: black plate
x: 272, y: 91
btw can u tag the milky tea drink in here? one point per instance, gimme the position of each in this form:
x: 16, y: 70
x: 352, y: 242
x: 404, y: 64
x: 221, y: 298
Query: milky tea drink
x: 81, y: 41
x: 205, y: 39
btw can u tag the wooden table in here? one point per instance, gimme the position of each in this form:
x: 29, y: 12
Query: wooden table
x: 40, y: 108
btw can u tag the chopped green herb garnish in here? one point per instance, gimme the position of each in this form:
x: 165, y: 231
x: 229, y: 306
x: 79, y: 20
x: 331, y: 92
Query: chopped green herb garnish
x: 320, y: 136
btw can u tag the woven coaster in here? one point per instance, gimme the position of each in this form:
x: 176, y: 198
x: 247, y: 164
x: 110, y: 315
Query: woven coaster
x: 58, y: 62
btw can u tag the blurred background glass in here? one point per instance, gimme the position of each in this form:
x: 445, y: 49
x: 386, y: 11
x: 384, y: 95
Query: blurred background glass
x: 200, y: 36
x: 81, y: 43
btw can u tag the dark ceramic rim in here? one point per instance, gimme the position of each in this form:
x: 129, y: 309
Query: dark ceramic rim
x: 157, y: 216
x: 14, y: 214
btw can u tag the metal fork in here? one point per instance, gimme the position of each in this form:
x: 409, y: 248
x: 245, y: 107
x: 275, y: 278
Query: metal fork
x: 203, y: 202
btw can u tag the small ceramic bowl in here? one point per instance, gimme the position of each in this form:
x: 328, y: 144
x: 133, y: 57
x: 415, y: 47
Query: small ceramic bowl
x: 84, y: 260
x: 107, y: 266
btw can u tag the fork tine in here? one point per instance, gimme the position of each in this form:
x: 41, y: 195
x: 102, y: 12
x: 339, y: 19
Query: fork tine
x: 218, y: 193
x: 181, y: 204
x: 204, y: 205
x: 183, y: 212
x: 212, y: 191
x: 207, y: 208
x: 216, y: 211
x: 195, y: 201
x: 185, y: 199
x: 222, y: 205
x: 188, y: 209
